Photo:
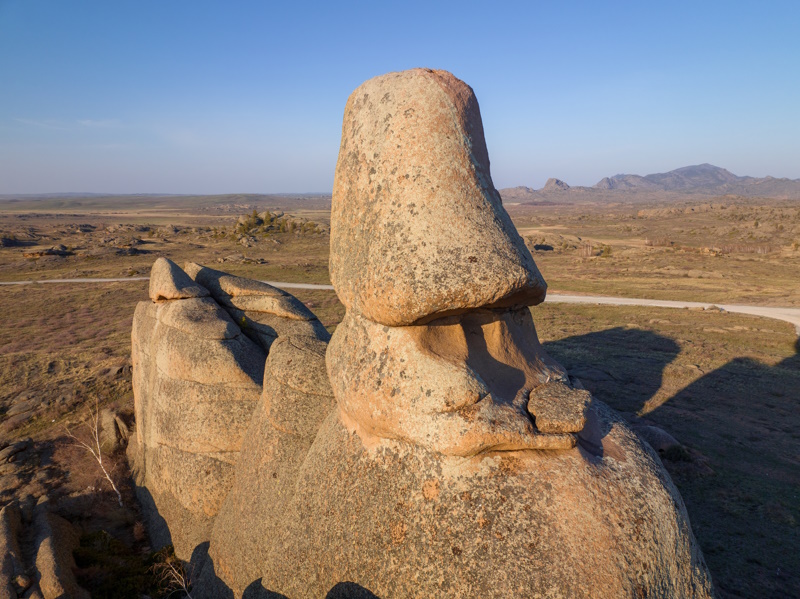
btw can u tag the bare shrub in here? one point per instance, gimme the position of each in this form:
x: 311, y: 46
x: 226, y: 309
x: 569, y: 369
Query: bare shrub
x: 747, y: 248
x: 93, y: 446
x: 172, y: 575
x: 658, y: 242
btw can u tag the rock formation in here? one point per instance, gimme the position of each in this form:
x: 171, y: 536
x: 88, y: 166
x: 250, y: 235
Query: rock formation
x: 440, y: 452
x: 415, y: 215
x: 262, y: 311
x: 196, y: 381
x: 199, y: 349
x: 555, y: 185
x: 48, y: 573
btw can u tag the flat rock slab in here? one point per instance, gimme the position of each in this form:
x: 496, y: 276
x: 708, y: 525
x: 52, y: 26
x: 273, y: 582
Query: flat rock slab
x: 559, y: 408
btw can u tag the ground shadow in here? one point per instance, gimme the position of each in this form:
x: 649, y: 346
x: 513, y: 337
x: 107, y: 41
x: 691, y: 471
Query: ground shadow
x: 622, y: 367
x: 208, y: 585
x: 744, y: 418
x: 740, y: 425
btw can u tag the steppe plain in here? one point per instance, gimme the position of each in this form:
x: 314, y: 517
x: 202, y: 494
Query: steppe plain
x: 725, y: 386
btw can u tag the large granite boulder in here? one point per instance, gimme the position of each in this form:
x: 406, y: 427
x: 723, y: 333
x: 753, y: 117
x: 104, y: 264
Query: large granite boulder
x: 436, y: 450
x: 401, y: 521
x: 461, y: 460
x: 417, y: 227
x: 196, y: 381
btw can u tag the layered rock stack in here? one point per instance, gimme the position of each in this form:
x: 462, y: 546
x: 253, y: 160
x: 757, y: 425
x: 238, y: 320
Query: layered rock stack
x: 461, y: 461
x: 441, y: 452
x: 198, y: 351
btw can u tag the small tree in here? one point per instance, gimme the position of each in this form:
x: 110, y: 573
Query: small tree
x: 93, y: 447
x: 172, y: 575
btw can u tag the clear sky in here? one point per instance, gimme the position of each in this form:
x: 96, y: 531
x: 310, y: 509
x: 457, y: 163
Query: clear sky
x: 188, y: 96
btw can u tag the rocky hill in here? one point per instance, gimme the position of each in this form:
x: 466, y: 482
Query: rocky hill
x: 700, y: 179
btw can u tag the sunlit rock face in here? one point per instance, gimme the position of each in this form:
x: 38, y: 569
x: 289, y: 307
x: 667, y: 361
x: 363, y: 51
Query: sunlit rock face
x: 417, y: 227
x: 438, y: 346
x: 432, y: 448
x: 196, y: 382
x: 461, y: 461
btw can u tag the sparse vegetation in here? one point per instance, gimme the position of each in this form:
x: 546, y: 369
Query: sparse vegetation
x: 92, y: 426
x: 724, y: 385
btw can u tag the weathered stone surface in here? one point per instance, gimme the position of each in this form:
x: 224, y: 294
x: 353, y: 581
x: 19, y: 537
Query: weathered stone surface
x: 11, y: 561
x: 262, y: 311
x: 110, y: 437
x: 50, y: 542
x: 196, y: 380
x: 55, y: 541
x: 558, y: 407
x: 457, y: 385
x: 297, y: 398
x: 657, y: 438
x: 401, y: 521
x: 168, y: 282
x: 8, y: 453
x: 417, y: 227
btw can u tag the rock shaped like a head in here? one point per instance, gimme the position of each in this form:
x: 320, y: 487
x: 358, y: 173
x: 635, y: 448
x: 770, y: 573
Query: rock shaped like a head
x: 438, y: 345
x: 418, y: 230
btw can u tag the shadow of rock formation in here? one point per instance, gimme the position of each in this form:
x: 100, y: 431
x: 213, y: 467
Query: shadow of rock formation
x: 620, y: 365
x: 731, y: 447
x: 743, y: 418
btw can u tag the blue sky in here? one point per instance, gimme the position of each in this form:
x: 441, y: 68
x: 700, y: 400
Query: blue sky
x: 214, y: 97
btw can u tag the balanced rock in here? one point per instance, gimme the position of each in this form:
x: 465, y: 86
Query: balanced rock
x: 445, y: 454
x: 460, y: 461
x: 196, y: 382
x: 415, y: 215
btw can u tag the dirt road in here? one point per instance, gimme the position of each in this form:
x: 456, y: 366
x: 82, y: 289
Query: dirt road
x: 790, y: 315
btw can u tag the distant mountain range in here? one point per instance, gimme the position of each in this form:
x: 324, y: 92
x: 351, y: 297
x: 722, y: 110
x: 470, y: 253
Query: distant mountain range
x: 702, y: 179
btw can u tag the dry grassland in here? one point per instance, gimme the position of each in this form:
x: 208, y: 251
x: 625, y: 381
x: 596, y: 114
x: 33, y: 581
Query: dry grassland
x: 726, y: 251
x: 726, y: 386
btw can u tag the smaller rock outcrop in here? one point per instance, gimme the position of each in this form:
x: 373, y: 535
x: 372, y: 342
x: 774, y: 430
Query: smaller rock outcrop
x: 49, y: 573
x: 11, y: 562
x: 200, y: 362
x: 196, y: 381
x: 262, y: 311
x: 555, y: 185
x: 114, y: 432
x: 169, y: 282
